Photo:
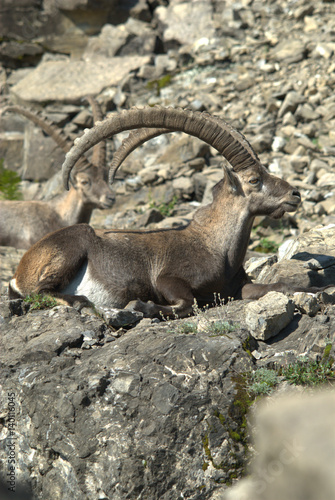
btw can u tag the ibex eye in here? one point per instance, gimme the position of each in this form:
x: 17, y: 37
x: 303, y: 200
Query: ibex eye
x: 254, y: 181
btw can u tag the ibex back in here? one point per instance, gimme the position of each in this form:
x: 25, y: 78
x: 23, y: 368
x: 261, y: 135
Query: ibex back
x: 161, y: 272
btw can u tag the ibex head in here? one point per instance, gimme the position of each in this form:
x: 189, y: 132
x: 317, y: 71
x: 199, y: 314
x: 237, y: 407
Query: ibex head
x: 93, y: 189
x: 263, y: 194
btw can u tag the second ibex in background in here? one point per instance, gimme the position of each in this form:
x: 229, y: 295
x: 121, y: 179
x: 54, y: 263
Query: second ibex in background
x: 22, y: 223
x: 162, y: 272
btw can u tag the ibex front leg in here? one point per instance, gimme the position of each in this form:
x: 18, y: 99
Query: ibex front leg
x: 175, y: 291
x: 255, y: 291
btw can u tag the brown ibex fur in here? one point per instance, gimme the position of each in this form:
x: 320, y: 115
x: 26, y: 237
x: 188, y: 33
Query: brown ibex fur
x: 162, y: 272
x: 22, y: 223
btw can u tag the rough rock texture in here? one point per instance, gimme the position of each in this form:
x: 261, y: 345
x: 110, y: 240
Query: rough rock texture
x: 30, y: 27
x: 267, y: 316
x: 98, y: 417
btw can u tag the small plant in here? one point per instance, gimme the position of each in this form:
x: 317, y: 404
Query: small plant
x: 219, y: 327
x: 159, y: 83
x: 263, y: 381
x: 309, y: 373
x: 188, y: 327
x: 39, y: 301
x: 9, y: 184
x: 166, y: 209
x: 316, y: 143
x: 267, y: 246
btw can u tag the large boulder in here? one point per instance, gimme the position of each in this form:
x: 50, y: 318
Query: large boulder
x: 30, y: 27
x: 308, y: 260
x: 98, y: 416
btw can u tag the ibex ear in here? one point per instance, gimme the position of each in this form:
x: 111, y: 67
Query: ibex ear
x: 230, y: 179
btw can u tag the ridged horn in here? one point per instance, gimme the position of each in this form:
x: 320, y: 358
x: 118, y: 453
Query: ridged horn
x: 99, y: 150
x: 212, y: 130
x: 56, y: 133
x: 133, y: 141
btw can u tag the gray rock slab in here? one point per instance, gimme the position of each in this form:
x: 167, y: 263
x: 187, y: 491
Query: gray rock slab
x: 70, y: 81
x: 121, y: 417
x: 120, y: 317
x: 306, y: 261
x: 267, y: 316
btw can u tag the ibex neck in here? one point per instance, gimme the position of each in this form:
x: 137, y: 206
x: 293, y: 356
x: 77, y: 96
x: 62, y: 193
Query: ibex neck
x: 226, y: 227
x: 72, y: 209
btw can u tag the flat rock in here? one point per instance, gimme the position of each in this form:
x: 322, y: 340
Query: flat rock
x: 289, y: 51
x: 120, y: 317
x: 70, y: 81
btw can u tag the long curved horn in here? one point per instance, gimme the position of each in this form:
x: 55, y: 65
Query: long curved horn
x: 212, y: 130
x: 129, y: 144
x: 99, y: 150
x: 56, y: 133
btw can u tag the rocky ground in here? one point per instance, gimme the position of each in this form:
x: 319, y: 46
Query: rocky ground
x: 115, y: 408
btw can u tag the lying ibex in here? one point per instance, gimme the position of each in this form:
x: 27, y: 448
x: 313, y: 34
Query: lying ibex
x: 161, y: 272
x: 22, y: 223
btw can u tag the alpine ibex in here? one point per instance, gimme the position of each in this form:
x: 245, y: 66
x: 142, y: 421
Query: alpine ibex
x: 162, y: 272
x: 22, y: 223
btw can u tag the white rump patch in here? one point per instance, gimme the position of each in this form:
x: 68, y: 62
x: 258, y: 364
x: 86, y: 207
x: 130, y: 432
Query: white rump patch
x: 14, y: 286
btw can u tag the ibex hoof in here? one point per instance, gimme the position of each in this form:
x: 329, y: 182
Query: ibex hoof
x: 147, y: 308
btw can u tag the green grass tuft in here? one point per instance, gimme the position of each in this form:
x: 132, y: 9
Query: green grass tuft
x: 267, y: 246
x: 38, y: 301
x: 309, y: 373
x: 9, y: 184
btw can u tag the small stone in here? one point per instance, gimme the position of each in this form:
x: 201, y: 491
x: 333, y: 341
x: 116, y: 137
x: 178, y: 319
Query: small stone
x: 305, y: 112
x: 83, y: 119
x: 290, y: 103
x: 120, y: 317
x: 151, y: 216
x: 255, y: 265
x: 267, y: 316
x: 306, y: 303
x: 278, y: 143
x: 324, y: 50
x: 290, y: 51
x: 183, y: 185
x: 262, y: 142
